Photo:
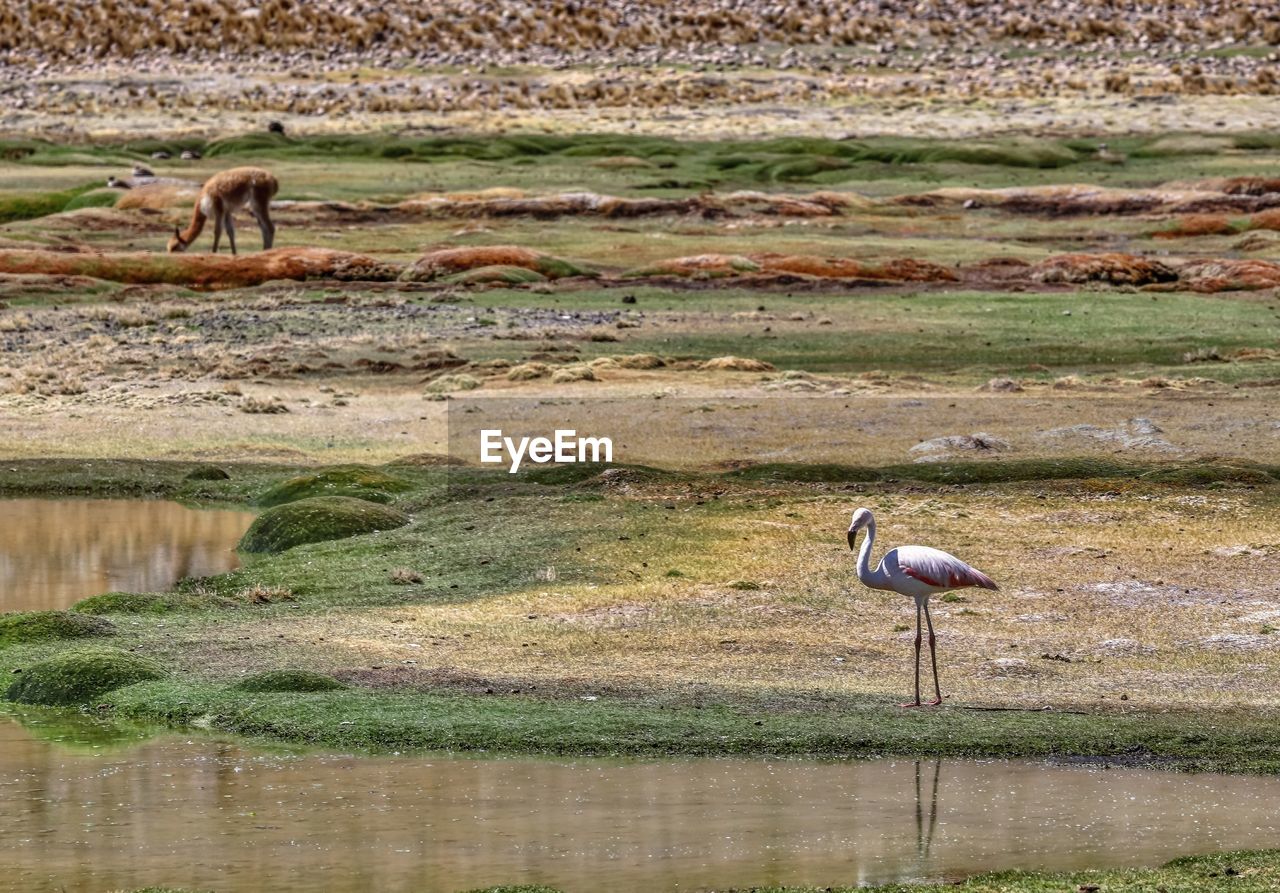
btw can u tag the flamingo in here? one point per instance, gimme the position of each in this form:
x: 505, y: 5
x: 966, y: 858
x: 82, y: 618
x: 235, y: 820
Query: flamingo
x: 916, y: 572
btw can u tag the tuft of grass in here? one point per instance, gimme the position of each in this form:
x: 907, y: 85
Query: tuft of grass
x: 261, y: 594
x: 403, y: 576
x: 80, y: 676
x: 263, y: 406
x: 458, y: 381
x: 41, y: 626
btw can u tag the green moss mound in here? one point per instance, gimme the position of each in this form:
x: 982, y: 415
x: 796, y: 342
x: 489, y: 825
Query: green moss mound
x: 317, y: 520
x: 29, y: 207
x: 360, y: 482
x: 288, y: 680
x: 559, y: 268
x: 77, y: 677
x: 207, y: 473
x: 499, y: 273
x: 98, y: 198
x: 41, y: 626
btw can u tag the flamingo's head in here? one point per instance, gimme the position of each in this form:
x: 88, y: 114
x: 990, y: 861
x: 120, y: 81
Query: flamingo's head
x: 861, y: 518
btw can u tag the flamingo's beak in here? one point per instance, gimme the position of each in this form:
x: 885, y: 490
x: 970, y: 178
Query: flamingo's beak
x: 853, y: 538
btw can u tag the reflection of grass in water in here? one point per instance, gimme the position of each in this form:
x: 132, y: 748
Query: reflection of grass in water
x: 77, y: 731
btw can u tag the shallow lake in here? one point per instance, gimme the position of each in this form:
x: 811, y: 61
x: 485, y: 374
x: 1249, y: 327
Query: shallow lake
x: 54, y: 552
x: 81, y: 812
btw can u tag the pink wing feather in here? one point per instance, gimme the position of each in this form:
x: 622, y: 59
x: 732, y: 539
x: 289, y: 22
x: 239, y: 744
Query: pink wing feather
x: 941, y: 569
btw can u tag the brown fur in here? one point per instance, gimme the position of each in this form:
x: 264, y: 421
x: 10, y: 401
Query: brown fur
x: 224, y: 194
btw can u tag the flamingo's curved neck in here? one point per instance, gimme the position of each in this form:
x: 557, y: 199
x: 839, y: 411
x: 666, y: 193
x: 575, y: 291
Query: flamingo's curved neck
x: 868, y: 576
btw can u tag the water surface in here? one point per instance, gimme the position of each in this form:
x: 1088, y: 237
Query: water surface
x: 54, y: 552
x: 206, y: 814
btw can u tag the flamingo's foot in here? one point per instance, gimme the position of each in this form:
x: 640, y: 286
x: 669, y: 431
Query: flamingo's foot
x: 935, y: 703
x: 912, y: 704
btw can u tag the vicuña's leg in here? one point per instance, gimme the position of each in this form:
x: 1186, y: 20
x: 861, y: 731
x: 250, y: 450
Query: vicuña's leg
x: 916, y: 703
x: 268, y: 229
x: 217, y: 231
x: 933, y: 657
x: 231, y: 233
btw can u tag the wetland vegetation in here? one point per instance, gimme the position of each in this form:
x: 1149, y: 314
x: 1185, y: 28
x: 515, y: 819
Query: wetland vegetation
x: 1056, y: 359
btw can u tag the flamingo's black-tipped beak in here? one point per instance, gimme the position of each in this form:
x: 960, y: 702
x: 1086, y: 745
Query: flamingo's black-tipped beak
x: 853, y: 538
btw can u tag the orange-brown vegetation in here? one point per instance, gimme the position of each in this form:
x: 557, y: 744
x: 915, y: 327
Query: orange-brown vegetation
x: 1196, y: 225
x: 1117, y: 269
x: 897, y: 270
x: 1229, y: 275
x: 209, y: 271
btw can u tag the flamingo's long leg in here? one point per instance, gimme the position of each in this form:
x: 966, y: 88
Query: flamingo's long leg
x: 916, y: 703
x: 933, y: 657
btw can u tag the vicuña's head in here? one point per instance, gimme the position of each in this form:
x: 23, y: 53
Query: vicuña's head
x: 861, y: 518
x: 176, y: 242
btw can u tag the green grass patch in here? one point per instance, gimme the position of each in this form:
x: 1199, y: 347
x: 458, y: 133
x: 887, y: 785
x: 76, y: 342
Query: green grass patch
x: 1193, y: 474
x: 288, y: 680
x: 138, y: 603
x: 387, y: 721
